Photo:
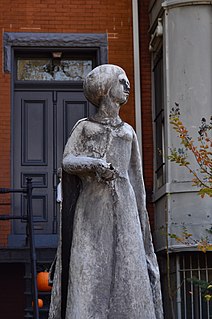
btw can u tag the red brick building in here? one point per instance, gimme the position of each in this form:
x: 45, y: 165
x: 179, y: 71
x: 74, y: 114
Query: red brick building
x: 39, y: 37
x: 46, y: 48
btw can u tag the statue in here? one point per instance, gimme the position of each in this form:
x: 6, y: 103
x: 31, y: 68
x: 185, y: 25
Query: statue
x: 106, y: 267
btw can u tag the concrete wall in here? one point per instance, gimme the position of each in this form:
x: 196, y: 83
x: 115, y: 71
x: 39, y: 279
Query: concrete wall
x: 187, y: 51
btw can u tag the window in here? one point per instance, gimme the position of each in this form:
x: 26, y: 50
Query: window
x: 53, y: 65
x: 159, y: 121
x: 196, y: 266
x: 52, y: 69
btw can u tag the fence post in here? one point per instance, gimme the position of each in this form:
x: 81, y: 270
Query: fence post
x: 32, y: 249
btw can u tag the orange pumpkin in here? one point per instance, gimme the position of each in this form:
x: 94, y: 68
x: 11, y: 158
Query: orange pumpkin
x: 42, y: 281
x: 40, y: 303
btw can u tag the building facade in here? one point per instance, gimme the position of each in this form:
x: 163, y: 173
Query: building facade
x: 180, y: 48
x: 46, y: 49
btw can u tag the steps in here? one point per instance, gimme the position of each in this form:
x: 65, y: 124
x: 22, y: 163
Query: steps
x: 45, y: 296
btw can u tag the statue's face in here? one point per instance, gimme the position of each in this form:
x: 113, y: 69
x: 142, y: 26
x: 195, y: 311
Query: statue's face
x: 120, y: 89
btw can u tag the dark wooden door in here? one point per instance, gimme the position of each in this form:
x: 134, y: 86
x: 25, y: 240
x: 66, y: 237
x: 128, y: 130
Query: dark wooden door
x: 42, y: 121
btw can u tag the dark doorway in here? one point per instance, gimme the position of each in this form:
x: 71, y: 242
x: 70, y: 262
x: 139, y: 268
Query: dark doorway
x: 12, y: 291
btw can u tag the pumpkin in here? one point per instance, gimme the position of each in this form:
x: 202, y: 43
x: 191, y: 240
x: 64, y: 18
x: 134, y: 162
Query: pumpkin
x: 40, y: 303
x: 42, y: 281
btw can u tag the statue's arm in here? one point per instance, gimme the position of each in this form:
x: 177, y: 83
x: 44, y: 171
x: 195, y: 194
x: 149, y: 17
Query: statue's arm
x: 75, y: 161
x: 82, y: 165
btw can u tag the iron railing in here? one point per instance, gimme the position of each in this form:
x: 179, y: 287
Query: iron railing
x: 29, y: 219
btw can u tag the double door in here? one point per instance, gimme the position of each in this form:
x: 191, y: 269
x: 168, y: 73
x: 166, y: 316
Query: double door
x: 42, y: 122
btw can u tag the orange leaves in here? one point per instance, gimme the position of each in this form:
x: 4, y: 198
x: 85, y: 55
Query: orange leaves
x: 201, y: 151
x: 204, y: 246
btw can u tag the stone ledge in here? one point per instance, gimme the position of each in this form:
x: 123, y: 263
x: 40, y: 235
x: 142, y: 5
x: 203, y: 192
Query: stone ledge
x: 182, y: 3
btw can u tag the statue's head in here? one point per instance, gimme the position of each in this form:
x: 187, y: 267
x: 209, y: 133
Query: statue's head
x: 107, y: 81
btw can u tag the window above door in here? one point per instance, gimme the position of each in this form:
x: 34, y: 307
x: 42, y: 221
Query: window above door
x: 55, y: 68
x: 94, y: 43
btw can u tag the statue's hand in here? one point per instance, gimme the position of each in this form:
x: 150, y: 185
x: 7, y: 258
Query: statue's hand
x: 107, y: 172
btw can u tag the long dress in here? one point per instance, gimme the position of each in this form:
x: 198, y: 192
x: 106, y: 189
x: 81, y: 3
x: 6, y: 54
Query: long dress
x: 113, y: 271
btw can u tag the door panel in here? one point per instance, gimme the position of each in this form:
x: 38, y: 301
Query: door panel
x: 34, y: 134
x: 42, y: 122
x: 32, y: 157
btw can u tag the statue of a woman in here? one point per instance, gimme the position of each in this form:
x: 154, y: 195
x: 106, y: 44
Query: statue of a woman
x: 110, y: 269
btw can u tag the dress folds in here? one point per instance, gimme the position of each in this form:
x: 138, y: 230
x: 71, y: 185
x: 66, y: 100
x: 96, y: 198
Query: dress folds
x: 111, y: 269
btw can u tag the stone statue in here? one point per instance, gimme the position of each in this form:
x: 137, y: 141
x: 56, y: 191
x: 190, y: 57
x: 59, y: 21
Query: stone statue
x: 106, y: 267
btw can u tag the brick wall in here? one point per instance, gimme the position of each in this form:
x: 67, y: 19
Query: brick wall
x: 82, y: 16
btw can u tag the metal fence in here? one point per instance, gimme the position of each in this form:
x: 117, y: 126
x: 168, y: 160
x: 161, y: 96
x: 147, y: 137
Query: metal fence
x: 28, y: 216
x: 191, y: 268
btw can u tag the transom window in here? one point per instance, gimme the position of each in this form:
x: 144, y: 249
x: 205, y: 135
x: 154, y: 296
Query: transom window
x: 52, y: 69
x: 53, y: 65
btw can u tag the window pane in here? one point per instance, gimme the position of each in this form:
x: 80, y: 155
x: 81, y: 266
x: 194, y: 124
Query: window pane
x: 158, y: 83
x: 52, y: 70
x: 159, y: 142
x: 159, y: 121
x: 32, y: 69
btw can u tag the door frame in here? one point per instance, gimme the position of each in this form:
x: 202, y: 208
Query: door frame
x: 27, y: 41
x: 95, y: 44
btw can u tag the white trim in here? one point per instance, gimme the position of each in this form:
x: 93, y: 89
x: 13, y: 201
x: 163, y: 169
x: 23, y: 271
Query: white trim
x: 137, y: 83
